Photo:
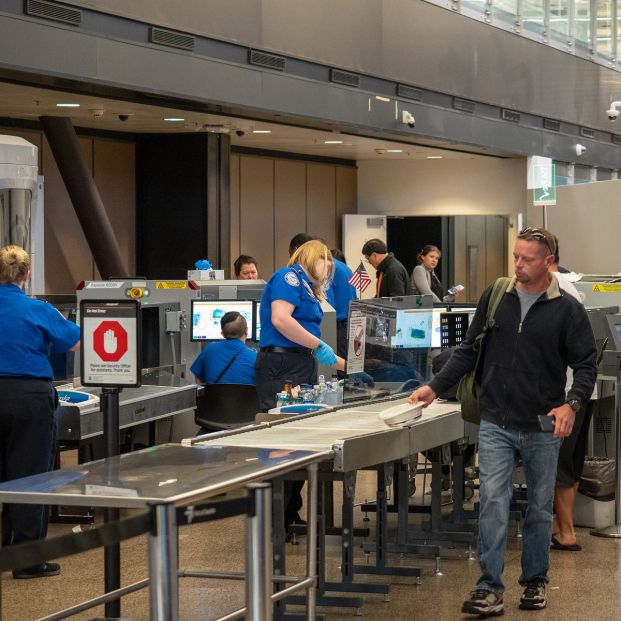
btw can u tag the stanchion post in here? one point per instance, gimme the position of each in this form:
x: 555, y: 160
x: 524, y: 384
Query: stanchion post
x: 259, y: 554
x: 112, y: 553
x: 311, y: 545
x: 164, y: 564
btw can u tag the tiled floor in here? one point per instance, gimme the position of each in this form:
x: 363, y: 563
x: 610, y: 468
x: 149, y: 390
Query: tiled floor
x: 584, y: 585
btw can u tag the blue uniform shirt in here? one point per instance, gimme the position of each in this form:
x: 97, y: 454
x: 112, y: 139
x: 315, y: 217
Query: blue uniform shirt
x: 292, y: 285
x: 212, y: 360
x: 29, y: 330
x: 340, y: 292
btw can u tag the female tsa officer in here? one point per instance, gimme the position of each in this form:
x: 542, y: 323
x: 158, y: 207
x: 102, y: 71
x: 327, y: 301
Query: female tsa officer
x: 290, y: 328
x: 28, y: 330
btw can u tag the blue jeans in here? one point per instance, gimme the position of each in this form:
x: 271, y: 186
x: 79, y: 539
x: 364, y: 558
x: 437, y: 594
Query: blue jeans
x: 499, y: 451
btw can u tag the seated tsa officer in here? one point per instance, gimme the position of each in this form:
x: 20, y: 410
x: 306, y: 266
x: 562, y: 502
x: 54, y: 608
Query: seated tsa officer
x: 229, y: 361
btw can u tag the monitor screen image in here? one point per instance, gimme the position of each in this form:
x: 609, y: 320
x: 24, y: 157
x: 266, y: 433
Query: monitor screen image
x: 257, y: 321
x: 206, y: 315
x: 436, y: 327
x: 413, y: 329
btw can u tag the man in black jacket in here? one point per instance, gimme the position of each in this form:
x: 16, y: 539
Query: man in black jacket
x: 392, y: 277
x: 538, y: 332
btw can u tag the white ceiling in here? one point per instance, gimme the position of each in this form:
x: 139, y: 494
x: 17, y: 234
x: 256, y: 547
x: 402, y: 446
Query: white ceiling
x: 29, y: 103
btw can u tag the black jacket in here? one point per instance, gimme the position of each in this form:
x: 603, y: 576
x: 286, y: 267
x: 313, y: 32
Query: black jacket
x: 523, y: 371
x: 395, y: 279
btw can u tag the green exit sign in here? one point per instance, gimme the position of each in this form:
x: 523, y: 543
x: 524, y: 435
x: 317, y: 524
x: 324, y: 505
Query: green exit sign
x: 545, y: 194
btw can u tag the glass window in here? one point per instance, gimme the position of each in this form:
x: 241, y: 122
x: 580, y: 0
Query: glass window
x: 603, y: 32
x: 505, y: 10
x: 582, y: 22
x: 532, y: 15
x: 559, y: 19
x: 15, y: 218
x: 475, y: 6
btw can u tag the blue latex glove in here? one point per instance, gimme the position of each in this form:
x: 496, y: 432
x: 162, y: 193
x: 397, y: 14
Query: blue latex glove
x: 202, y: 264
x: 362, y: 378
x: 325, y: 354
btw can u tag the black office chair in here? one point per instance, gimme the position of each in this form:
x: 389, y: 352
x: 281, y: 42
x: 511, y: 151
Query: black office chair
x: 226, y: 406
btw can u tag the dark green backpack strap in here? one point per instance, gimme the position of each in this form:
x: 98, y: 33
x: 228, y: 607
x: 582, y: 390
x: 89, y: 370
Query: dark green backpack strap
x: 498, y: 290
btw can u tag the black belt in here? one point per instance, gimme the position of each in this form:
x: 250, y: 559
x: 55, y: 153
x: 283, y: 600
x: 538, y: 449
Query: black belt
x: 286, y: 350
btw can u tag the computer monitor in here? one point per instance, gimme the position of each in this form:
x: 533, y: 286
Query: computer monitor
x: 436, y: 327
x: 614, y: 327
x: 413, y: 329
x: 206, y: 316
x: 256, y: 328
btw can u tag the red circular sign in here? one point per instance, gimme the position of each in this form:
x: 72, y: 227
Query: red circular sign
x: 110, y: 341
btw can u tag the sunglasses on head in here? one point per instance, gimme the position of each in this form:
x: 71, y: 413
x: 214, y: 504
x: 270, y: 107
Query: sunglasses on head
x: 533, y: 232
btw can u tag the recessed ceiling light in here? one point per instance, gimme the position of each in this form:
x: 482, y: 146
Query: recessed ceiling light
x: 332, y: 142
x: 261, y: 131
x: 394, y: 150
x: 67, y: 105
x: 435, y: 157
x: 174, y: 119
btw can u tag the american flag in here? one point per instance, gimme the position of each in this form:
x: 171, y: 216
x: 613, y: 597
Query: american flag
x: 360, y: 279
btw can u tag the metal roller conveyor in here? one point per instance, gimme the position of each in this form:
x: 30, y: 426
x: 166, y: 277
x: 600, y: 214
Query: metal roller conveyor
x: 356, y: 435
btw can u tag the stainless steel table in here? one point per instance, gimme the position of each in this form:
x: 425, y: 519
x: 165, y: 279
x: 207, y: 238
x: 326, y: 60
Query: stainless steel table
x: 164, y: 477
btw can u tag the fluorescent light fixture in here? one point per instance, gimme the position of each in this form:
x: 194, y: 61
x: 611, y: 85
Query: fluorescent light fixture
x: 394, y: 150
x: 435, y: 157
x: 261, y: 131
x: 380, y: 98
x: 174, y: 119
x: 332, y: 142
x: 67, y: 105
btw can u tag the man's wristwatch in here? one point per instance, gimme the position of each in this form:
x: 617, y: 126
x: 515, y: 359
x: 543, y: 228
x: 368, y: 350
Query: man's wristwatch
x: 574, y: 404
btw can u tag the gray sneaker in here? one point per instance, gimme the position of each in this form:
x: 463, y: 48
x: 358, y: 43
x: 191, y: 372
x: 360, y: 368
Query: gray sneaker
x: 484, y: 603
x: 534, y: 596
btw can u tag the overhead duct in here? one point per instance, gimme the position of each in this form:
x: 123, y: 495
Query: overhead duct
x: 84, y: 195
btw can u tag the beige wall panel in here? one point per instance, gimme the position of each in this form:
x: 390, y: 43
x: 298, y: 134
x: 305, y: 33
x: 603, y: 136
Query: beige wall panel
x: 346, y: 198
x: 115, y: 174
x: 321, y: 202
x: 461, y: 269
x: 68, y: 259
x: 495, y: 248
x: 234, y: 245
x: 256, y: 221
x: 587, y: 221
x: 289, y: 206
x: 475, y: 258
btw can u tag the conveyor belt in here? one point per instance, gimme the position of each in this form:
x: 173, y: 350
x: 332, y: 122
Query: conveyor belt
x: 357, y: 436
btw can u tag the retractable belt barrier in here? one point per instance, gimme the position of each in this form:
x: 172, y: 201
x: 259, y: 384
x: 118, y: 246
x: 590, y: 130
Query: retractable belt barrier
x: 31, y: 553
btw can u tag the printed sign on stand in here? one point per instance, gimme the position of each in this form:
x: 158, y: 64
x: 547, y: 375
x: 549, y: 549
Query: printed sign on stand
x: 110, y: 346
x: 357, y: 338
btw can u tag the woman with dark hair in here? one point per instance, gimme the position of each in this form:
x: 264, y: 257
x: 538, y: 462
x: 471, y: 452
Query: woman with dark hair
x: 424, y: 279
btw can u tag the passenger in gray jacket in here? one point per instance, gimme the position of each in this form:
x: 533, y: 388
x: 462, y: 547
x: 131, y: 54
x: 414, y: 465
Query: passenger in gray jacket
x: 424, y: 279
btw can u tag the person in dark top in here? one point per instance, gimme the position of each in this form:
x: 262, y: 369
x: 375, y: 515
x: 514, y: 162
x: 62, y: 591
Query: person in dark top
x: 392, y: 277
x: 537, y: 333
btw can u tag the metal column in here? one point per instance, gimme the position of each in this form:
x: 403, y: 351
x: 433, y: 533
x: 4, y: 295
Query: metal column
x: 259, y: 554
x: 164, y: 564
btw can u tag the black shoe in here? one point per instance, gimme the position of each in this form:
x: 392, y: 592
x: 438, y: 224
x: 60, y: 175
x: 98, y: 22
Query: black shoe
x: 484, y: 603
x: 38, y: 571
x: 534, y: 596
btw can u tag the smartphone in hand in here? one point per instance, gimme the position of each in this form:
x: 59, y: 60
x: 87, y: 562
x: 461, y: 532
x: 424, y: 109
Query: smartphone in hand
x: 546, y: 423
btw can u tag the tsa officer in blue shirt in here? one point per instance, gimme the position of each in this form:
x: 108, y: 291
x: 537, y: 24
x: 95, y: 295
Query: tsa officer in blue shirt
x: 29, y: 330
x: 291, y: 324
x: 290, y: 338
x: 229, y: 361
x: 340, y: 293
